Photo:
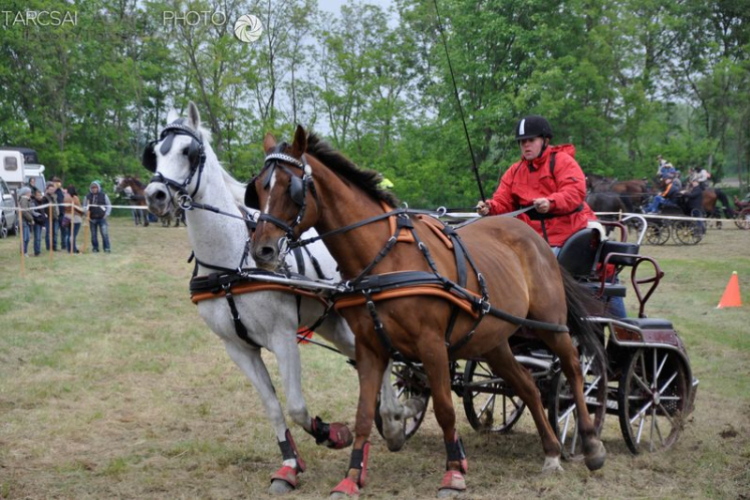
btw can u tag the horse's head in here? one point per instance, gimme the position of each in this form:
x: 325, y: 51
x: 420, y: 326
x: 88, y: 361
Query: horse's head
x: 285, y: 194
x: 177, y: 160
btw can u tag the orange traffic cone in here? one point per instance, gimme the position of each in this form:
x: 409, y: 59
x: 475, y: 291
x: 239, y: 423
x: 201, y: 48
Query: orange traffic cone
x: 731, y: 297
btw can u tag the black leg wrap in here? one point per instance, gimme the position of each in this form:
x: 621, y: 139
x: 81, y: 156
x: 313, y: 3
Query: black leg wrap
x: 358, y: 456
x: 456, y: 453
x: 320, y: 431
x: 287, y: 452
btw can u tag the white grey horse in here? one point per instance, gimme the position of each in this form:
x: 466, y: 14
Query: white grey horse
x: 187, y: 165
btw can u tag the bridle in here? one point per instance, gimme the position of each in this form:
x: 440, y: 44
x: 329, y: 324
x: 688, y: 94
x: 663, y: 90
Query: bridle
x: 298, y: 187
x: 196, y: 155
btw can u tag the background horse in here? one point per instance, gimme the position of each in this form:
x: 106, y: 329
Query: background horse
x: 633, y: 193
x: 133, y: 189
x: 521, y: 273
x: 270, y: 318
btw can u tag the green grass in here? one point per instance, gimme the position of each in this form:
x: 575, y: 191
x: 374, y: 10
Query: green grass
x: 112, y: 387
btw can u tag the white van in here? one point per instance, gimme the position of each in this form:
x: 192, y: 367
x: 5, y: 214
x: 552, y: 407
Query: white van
x: 12, y: 165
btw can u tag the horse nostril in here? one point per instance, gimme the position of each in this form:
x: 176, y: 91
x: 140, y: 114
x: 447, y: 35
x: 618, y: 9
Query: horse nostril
x: 160, y: 196
x: 266, y: 253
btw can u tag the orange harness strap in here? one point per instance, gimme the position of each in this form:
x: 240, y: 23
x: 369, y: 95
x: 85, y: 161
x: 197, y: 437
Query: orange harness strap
x: 431, y: 290
x: 404, y: 237
x: 251, y: 287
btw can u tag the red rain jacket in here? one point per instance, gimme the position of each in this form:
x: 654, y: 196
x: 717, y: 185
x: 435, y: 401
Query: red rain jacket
x: 526, y: 180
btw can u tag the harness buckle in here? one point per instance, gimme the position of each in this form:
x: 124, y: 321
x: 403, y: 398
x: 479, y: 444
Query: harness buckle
x: 185, y: 201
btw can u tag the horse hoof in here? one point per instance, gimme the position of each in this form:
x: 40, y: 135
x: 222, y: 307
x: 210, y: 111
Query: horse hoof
x: 347, y: 488
x: 339, y: 436
x: 447, y: 493
x: 551, y: 466
x: 595, y: 460
x: 453, y: 484
x: 279, y: 487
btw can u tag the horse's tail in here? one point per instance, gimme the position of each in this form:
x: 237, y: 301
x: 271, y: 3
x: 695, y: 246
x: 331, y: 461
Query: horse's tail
x: 724, y: 201
x: 580, y: 304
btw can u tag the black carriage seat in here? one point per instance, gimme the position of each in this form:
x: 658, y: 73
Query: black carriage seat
x: 579, y: 254
x: 649, y: 323
x: 584, y: 250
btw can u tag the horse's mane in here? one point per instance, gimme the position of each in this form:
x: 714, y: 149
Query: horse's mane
x: 367, y: 180
x: 135, y: 181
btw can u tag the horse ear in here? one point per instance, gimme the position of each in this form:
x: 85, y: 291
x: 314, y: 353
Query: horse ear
x: 269, y: 142
x: 300, y: 142
x: 194, y: 116
x: 172, y: 116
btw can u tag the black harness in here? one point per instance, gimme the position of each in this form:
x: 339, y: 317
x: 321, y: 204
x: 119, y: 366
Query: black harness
x: 298, y: 187
x: 366, y: 285
x: 225, y: 278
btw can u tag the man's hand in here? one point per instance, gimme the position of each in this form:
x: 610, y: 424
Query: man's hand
x: 483, y: 208
x: 542, y: 205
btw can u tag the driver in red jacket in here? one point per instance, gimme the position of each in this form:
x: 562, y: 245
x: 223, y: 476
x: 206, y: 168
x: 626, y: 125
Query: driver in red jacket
x: 559, y: 192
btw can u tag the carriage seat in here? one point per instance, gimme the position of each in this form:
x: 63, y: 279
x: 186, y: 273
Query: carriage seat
x: 579, y: 254
x: 649, y: 323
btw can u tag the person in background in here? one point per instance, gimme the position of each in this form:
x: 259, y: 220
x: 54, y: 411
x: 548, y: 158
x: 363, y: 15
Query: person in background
x: 60, y: 197
x: 24, y: 203
x: 668, y: 197
x: 50, y: 198
x: 73, y: 212
x: 32, y: 185
x: 667, y: 171
x: 99, y: 207
x: 660, y: 164
x: 40, y: 220
x: 694, y: 202
x: 702, y: 177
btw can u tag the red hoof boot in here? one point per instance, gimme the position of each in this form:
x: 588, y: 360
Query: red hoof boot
x: 453, y: 481
x: 335, y: 435
x: 288, y: 475
x: 339, y: 436
x: 346, y: 487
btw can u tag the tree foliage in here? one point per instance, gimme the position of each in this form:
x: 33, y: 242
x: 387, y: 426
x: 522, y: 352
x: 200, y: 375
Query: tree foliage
x: 623, y: 80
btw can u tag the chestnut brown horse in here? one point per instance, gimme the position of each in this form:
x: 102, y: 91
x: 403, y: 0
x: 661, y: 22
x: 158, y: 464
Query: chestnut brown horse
x: 133, y: 190
x: 633, y: 193
x: 310, y: 184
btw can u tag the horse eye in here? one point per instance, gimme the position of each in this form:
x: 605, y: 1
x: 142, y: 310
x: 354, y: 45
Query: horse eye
x: 185, y: 151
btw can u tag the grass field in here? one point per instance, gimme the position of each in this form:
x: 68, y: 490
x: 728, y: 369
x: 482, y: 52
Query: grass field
x: 112, y: 387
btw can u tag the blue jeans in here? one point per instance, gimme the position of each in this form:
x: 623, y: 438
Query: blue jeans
x: 54, y: 226
x: 37, y: 239
x: 659, y: 200
x: 103, y: 226
x: 67, y: 237
x: 26, y: 237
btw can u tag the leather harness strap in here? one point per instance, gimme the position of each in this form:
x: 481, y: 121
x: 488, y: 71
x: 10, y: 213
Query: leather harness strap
x: 251, y: 287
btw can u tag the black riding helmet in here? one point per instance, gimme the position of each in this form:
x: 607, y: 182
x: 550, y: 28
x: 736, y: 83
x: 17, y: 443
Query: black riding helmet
x: 533, y: 126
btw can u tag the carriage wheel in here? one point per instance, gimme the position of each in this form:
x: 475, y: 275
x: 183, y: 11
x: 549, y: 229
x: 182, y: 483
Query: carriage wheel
x: 407, y: 385
x: 562, y: 411
x: 687, y: 232
x: 657, y: 234
x: 490, y: 407
x: 743, y: 219
x: 652, y: 400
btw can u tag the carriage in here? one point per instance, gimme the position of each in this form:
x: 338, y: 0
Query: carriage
x: 646, y: 380
x: 671, y: 222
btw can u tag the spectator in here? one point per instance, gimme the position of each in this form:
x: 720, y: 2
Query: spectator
x: 99, y: 207
x: 24, y: 204
x: 40, y: 220
x: 73, y: 212
x: 702, y: 177
x: 50, y: 198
